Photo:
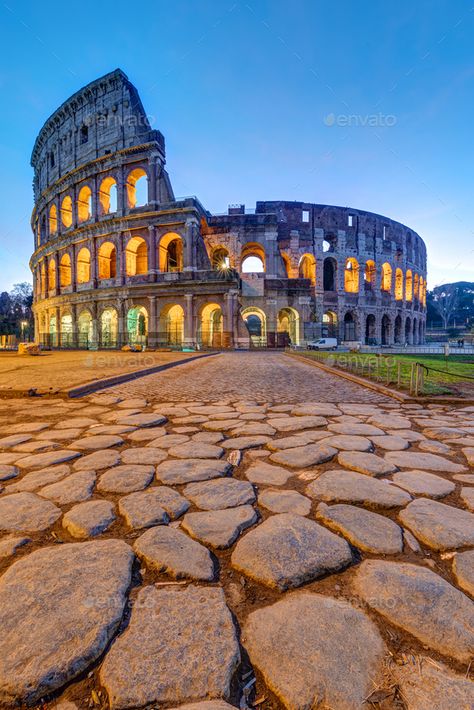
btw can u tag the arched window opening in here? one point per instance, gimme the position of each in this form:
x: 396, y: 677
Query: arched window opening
x: 351, y: 276
x: 65, y: 271
x: 84, y: 329
x: 136, y: 257
x: 307, y: 268
x: 415, y: 332
x: 109, y: 328
x: 211, y: 327
x: 409, y: 286
x: 220, y: 260
x: 43, y: 279
x: 253, y: 259
x: 66, y: 331
x: 83, y: 266
x: 370, y: 275
x: 416, y: 285
x: 137, y: 188
x: 408, y: 335
x: 84, y: 204
x: 256, y: 323
x: 170, y: 252
x: 349, y: 327
x: 398, y: 335
x: 84, y: 134
x: 53, y: 220
x: 370, y: 330
x: 385, y: 330
x: 66, y: 211
x: 108, y: 196
x: 287, y: 264
x: 107, y: 261
x: 172, y: 326
x: 288, y: 325
x: 329, y: 275
x: 399, y: 285
x: 52, y: 274
x: 329, y: 327
x: 386, y: 282
x: 137, y: 325
x: 53, y: 332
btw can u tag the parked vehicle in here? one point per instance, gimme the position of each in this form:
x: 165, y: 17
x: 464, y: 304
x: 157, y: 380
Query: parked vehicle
x: 323, y: 344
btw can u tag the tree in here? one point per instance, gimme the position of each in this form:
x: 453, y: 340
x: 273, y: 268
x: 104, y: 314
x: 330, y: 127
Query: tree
x: 452, y: 303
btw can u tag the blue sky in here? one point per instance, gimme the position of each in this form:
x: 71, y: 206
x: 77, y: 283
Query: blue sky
x: 366, y: 104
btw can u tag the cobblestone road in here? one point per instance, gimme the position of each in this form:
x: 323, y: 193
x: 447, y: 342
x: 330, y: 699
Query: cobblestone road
x: 268, y: 377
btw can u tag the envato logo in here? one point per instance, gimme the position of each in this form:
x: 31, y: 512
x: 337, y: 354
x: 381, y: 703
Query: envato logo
x: 115, y: 120
x: 139, y: 360
x: 358, y: 120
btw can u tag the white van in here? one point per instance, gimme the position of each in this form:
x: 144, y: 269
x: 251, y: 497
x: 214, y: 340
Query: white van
x: 323, y: 344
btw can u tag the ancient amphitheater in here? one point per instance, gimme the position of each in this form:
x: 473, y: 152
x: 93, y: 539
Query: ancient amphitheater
x: 120, y: 260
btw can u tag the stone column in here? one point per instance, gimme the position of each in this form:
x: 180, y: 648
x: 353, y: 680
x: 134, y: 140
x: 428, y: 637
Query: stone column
x: 272, y: 254
x: 74, y: 325
x: 189, y: 327
x: 46, y: 277
x: 152, y: 251
x: 73, y: 267
x: 121, y: 193
x: 93, y: 275
x: 122, y: 324
x: 57, y: 289
x: 95, y: 200
x: 229, y: 320
x: 123, y: 238
x: 191, y: 230
x: 152, y: 175
x: 58, y: 328
x: 152, y: 323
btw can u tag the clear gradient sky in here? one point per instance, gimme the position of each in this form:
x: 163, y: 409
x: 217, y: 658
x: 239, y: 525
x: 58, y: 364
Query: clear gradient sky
x: 367, y: 104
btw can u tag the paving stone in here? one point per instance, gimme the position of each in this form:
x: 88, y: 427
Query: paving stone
x: 407, y: 434
x: 190, y: 419
x: 356, y: 429
x: 188, y: 634
x: 208, y: 437
x: 147, y: 434
x: 73, y: 489
x: 264, y: 474
x: 168, y: 441
x: 351, y: 487
x: 429, y: 685
x: 349, y: 443
x: 220, y: 425
x: 423, y: 483
x: 370, y: 464
x: 134, y: 402
x: 155, y: 506
x: 440, y: 526
x: 89, y: 519
x: 278, y: 501
x: 219, y: 528
x: 9, y: 546
x: 196, y: 450
x: 111, y: 429
x: 321, y: 409
x: 390, y: 421
x: 467, y: 497
x: 165, y: 549
x: 9, y: 458
x: 411, y: 541
x: 58, y: 435
x: 463, y: 569
x: 126, y: 478
x: 465, y: 478
x: 50, y: 458
x: 245, y: 442
x: 93, y: 443
x: 420, y: 602
x: 303, y: 649
x: 54, y: 621
x: 300, y: 439
x: 8, y: 471
x: 287, y: 550
x: 143, y: 455
x: 188, y: 470
x: 7, y: 442
x: 143, y: 420
x: 26, y: 427
x: 97, y: 460
x: 26, y: 512
x: 33, y: 447
x: 304, y: 456
x: 206, y: 705
x: 220, y: 493
x: 254, y: 429
x: 390, y: 443
x: 434, y: 447
x: 296, y: 423
x: 430, y: 462
x: 368, y: 531
x: 210, y: 409
x: 468, y: 452
x: 75, y: 423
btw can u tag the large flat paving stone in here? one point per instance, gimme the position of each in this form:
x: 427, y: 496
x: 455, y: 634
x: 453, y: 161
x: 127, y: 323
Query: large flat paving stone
x: 429, y: 685
x: 49, y: 458
x: 154, y: 506
x: 467, y: 497
x: 169, y: 550
x: 98, y: 460
x: 73, y: 489
x: 219, y: 528
x: 9, y: 545
x: 143, y: 455
x: 356, y: 429
x: 245, y: 442
x: 423, y: 483
x: 420, y: 602
x: 463, y: 570
x: 196, y: 450
x: 54, y: 621
x: 315, y: 652
x: 370, y: 464
x: 349, y: 443
x: 180, y: 644
x: 220, y: 493
x: 287, y: 550
x: 7, y: 442
x: 189, y: 470
x: 94, y: 443
x: 284, y: 501
x: 27, y: 512
x: 365, y: 529
x: 126, y: 478
x: 36, y: 479
x: 142, y: 420
x: 352, y: 487
x: 440, y: 526
x: 206, y: 705
x: 428, y: 462
x: 297, y: 423
x: 89, y: 519
x: 304, y: 456
x: 265, y: 474
x: 390, y: 442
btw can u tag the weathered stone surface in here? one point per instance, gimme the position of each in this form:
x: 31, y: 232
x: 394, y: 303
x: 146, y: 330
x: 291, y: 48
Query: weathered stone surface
x: 97, y: 460
x: 349, y: 443
x: 154, y: 506
x: 179, y: 644
x: 366, y: 530
x: 53, y: 617
x: 296, y: 423
x: 7, y: 472
x: 220, y: 493
x: 304, y: 456
x: 300, y: 439
x: 147, y: 434
x: 89, y: 519
x: 253, y: 429
x: 126, y: 478
x: 322, y: 409
x: 370, y: 464
x: 315, y: 652
x: 262, y: 473
x: 351, y: 487
x: 219, y: 528
x: 463, y: 569
x: 468, y: 452
x: 58, y: 435
x: 423, y: 483
x: 94, y: 443
x: 438, y: 525
x: 206, y: 705
x: 467, y: 497
x: 434, y: 447
x: 390, y: 421
x: 429, y: 685
x: 168, y: 550
x: 390, y: 443
x: 47, y: 459
x: 287, y: 550
x: 143, y: 455
x: 27, y: 512
x: 75, y: 423
x: 465, y: 478
x: 356, y: 429
x: 209, y: 437
x: 7, y: 442
x: 278, y: 501
x: 430, y: 462
x: 245, y: 442
x: 142, y: 420
x: 9, y: 546
x: 420, y: 602
x: 72, y: 489
x: 189, y: 470
x: 196, y: 450
x: 168, y: 441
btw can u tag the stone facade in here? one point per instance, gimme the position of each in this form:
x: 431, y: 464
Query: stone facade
x: 119, y: 260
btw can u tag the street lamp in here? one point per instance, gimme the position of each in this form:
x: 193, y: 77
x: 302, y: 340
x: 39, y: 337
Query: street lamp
x: 23, y: 325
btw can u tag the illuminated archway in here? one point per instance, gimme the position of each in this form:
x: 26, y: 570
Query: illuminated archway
x: 370, y: 274
x: 83, y: 266
x: 287, y: 264
x: 329, y: 328
x: 84, y: 204
x: 252, y: 258
x: 52, y: 274
x: 288, y: 321
x: 350, y: 333
x: 398, y: 333
x: 137, y: 188
x: 399, y: 285
x: 170, y: 252
x: 351, y: 276
x: 43, y: 279
x: 256, y: 323
x: 66, y: 211
x: 211, y: 325
x: 386, y: 325
x: 53, y: 331
x: 220, y: 259
x: 307, y: 268
x: 370, y: 330
x: 107, y: 261
x: 409, y: 286
x: 66, y: 330
x: 84, y: 329
x: 53, y: 220
x: 172, y: 325
x: 65, y: 271
x: 108, y: 195
x: 137, y: 325
x: 136, y: 257
x: 109, y: 328
x: 386, y: 282
x: 416, y: 285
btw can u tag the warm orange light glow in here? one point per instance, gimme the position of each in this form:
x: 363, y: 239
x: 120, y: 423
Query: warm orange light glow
x: 53, y: 219
x: 409, y: 286
x: 52, y: 274
x: 399, y: 285
x: 84, y: 204
x: 370, y: 273
x: 416, y: 286
x: 134, y: 177
x: 107, y: 261
x: 307, y: 268
x: 108, y: 195
x: 170, y: 252
x: 66, y: 211
x: 83, y: 266
x: 65, y: 270
x: 351, y: 276
x: 136, y: 257
x: 386, y: 283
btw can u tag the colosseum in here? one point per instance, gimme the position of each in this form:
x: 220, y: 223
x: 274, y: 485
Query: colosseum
x: 119, y: 260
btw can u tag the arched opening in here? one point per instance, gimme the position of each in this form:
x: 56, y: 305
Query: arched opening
x: 66, y: 211
x: 84, y: 329
x: 408, y: 334
x: 370, y: 275
x: 52, y: 274
x: 351, y: 276
x: 256, y: 323
x: 252, y: 259
x: 421, y: 290
x: 109, y: 328
x: 288, y: 326
x: 385, y: 330
x: 220, y: 259
x: 415, y: 332
x: 136, y: 257
x: 137, y: 188
x: 84, y: 204
x: 370, y: 330
x: 53, y: 219
x: 137, y: 325
x: 386, y: 282
x: 416, y: 284
x: 211, y: 326
x: 83, y: 266
x: 170, y: 252
x: 409, y: 286
x: 420, y: 333
x: 66, y: 331
x: 329, y: 274
x: 287, y: 264
x: 43, y: 279
x: 329, y: 327
x: 307, y: 268
x: 398, y: 330
x: 349, y: 327
x: 65, y: 271
x: 399, y: 285
x: 108, y: 196
x: 53, y: 332
x: 107, y: 261
x: 172, y: 326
